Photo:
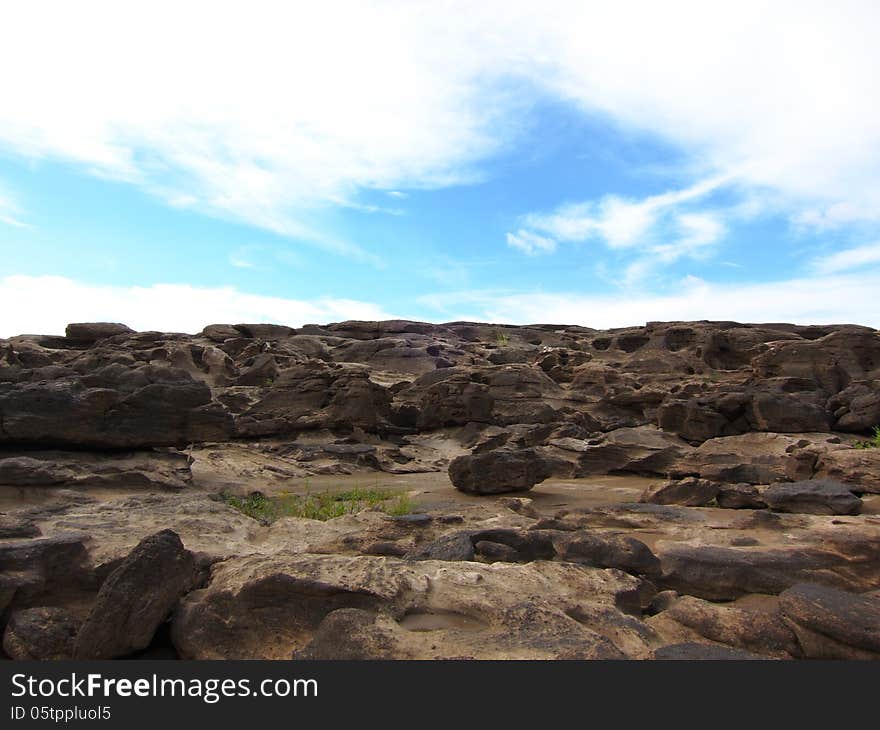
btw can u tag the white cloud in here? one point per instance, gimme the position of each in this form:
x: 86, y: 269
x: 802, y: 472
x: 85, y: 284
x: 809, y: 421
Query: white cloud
x: 10, y: 211
x: 618, y: 222
x: 810, y: 300
x: 164, y: 307
x: 268, y: 112
x: 661, y: 229
x: 530, y: 243
x: 859, y: 257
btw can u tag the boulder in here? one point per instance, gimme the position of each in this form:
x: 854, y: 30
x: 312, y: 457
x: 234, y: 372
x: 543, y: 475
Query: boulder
x: 88, y: 333
x: 498, y: 471
x: 137, y: 597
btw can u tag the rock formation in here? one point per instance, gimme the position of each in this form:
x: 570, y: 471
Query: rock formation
x: 695, y: 490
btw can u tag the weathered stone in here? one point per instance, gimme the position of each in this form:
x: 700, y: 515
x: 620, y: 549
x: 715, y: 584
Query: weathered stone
x: 498, y: 471
x: 690, y: 492
x: 815, y: 496
x: 136, y: 597
x: 90, y: 332
x: 859, y: 469
x: 724, y: 573
x: 759, y: 631
x: 740, y: 496
x: 395, y: 608
x: 833, y: 624
x: 607, y: 551
x: 40, y: 633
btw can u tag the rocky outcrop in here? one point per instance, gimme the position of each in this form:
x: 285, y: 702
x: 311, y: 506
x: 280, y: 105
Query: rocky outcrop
x: 740, y: 440
x: 321, y: 607
x: 151, y: 469
x: 110, y: 407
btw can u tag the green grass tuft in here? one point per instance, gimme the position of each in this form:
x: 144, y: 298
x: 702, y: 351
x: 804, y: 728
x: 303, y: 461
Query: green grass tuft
x: 871, y: 443
x: 322, y: 506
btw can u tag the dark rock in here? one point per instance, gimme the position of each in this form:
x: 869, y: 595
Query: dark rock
x: 814, y: 496
x: 149, y: 469
x: 136, y: 597
x: 607, y: 551
x: 502, y: 470
x: 496, y: 552
x: 725, y: 573
x: 660, y: 602
x: 526, y: 545
x: 221, y: 332
x: 15, y: 526
x: 739, y: 496
x: 123, y: 408
x: 265, y: 331
x: 455, y: 546
x: 833, y: 624
x: 763, y: 632
x: 90, y: 332
x: 27, y: 471
x: 385, y: 548
x: 350, y: 634
x: 691, y: 492
x: 31, y: 571
x: 40, y: 633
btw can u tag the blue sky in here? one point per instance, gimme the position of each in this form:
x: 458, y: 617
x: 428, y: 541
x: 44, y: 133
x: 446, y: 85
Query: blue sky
x: 596, y: 167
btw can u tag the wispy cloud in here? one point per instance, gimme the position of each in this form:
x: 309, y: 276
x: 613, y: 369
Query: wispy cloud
x: 616, y: 221
x: 852, y: 258
x: 530, y: 243
x: 165, y: 307
x: 10, y: 211
x: 310, y: 112
x: 656, y: 230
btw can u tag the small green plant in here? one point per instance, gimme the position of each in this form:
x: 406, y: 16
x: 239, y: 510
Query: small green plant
x: 871, y: 443
x: 501, y: 337
x: 322, y: 506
